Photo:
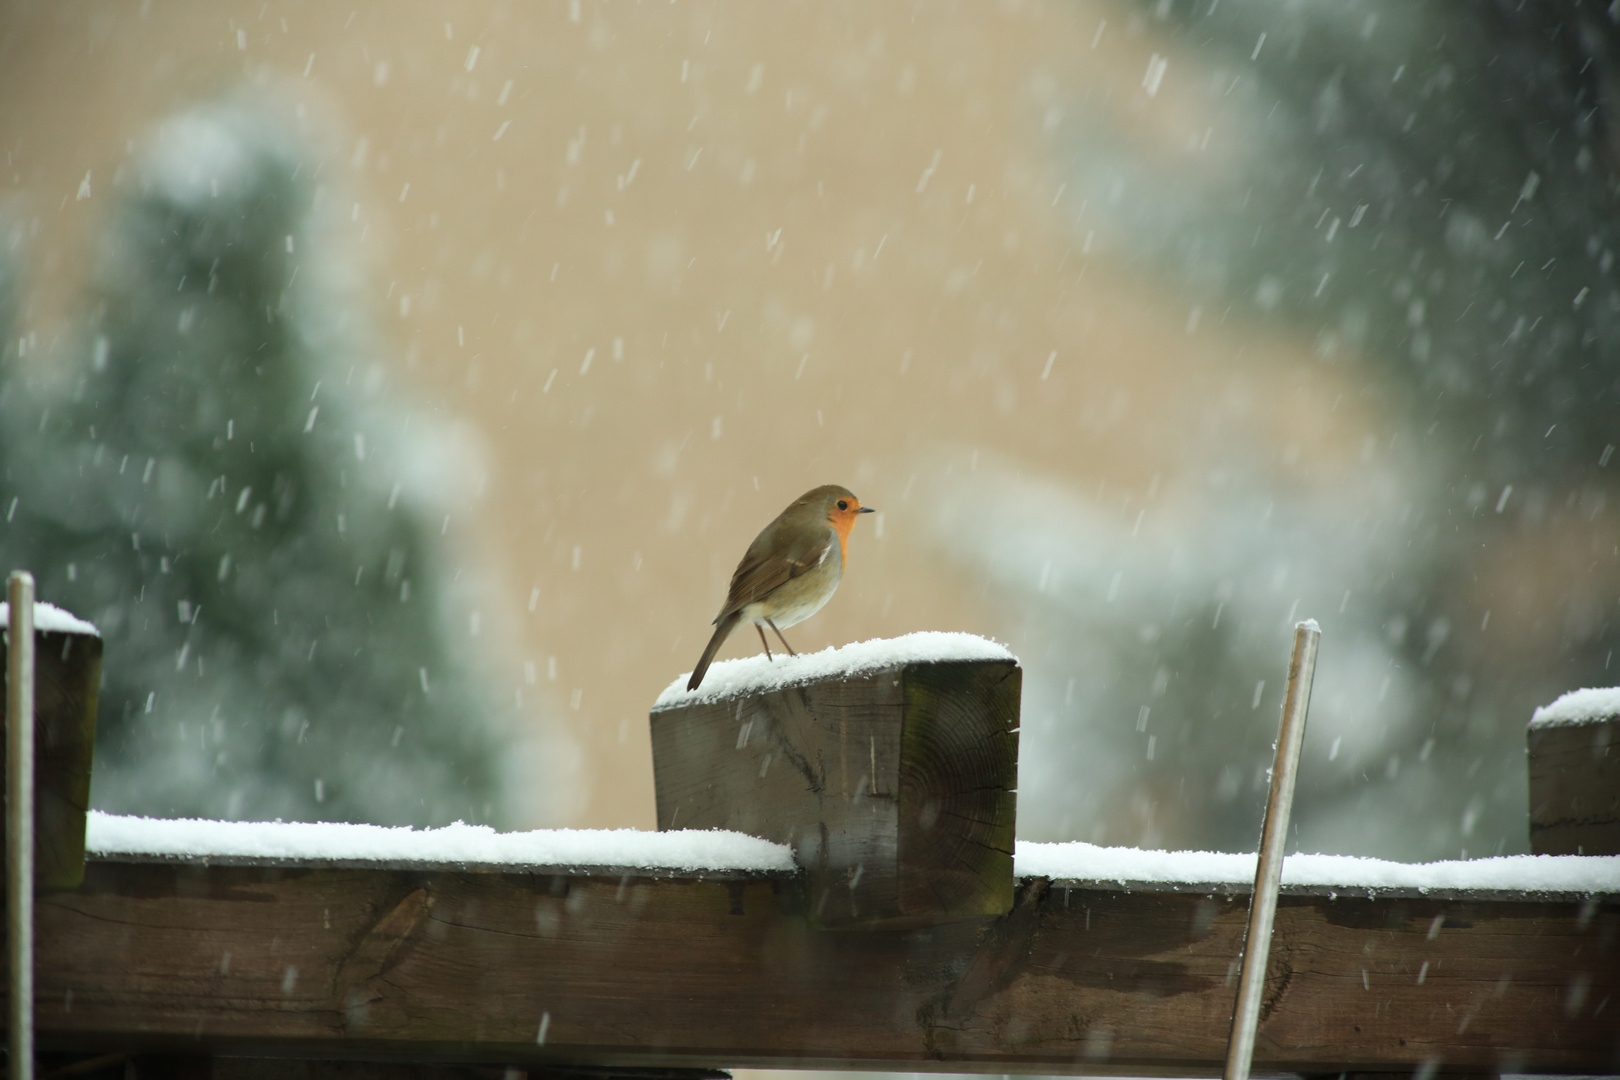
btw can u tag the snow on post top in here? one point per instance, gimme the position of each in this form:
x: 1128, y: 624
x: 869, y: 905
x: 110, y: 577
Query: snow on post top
x: 51, y: 619
x: 1579, y: 707
x: 757, y: 674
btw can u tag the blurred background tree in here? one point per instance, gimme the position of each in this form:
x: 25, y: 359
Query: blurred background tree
x: 222, y: 482
x: 1426, y: 193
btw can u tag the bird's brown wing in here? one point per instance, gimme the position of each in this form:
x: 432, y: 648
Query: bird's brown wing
x: 761, y: 573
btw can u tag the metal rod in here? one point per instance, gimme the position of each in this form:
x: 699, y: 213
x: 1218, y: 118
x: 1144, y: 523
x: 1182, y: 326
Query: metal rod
x: 20, y: 820
x: 1273, y: 832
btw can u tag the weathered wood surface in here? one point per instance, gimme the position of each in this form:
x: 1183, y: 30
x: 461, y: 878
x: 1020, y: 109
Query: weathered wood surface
x: 126, y: 1066
x: 1575, y: 788
x: 632, y: 971
x: 896, y: 789
x: 67, y: 680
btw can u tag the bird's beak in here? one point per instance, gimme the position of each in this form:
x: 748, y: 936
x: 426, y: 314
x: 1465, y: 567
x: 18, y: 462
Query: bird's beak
x: 866, y: 510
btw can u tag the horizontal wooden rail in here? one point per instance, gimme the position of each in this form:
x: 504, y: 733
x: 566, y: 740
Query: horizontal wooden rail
x: 617, y: 969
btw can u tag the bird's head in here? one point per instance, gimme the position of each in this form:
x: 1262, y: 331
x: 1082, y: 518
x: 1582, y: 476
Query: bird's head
x: 841, y: 508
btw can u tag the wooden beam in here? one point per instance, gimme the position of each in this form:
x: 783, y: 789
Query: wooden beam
x: 619, y: 969
x: 895, y: 789
x: 123, y: 1066
x: 1575, y: 787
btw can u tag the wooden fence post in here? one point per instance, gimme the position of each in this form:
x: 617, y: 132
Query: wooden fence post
x: 1574, y: 760
x: 895, y: 788
x: 67, y: 680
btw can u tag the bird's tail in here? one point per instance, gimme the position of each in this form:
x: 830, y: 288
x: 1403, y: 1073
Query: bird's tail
x: 721, y: 632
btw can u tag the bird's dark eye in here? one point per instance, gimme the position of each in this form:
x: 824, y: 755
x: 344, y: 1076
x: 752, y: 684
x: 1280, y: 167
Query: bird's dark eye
x: 843, y: 505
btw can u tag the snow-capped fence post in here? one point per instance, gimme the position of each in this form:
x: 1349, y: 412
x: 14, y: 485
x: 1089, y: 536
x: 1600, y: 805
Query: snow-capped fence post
x: 894, y: 785
x: 1573, y: 749
x: 66, y: 681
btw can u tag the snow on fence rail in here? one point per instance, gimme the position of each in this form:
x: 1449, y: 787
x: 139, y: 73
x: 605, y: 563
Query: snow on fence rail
x: 119, y: 838
x: 111, y: 836
x: 1224, y: 871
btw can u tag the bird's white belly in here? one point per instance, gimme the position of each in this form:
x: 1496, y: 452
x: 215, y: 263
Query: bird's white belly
x: 785, y: 616
x: 800, y: 598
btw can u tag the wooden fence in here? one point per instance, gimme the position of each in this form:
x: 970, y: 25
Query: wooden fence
x: 904, y: 941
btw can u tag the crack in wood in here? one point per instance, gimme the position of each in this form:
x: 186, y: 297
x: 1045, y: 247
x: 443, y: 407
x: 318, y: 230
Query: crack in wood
x: 815, y: 781
x: 359, y: 977
x: 998, y: 959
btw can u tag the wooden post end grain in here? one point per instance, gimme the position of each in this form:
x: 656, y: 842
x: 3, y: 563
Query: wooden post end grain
x: 1575, y: 787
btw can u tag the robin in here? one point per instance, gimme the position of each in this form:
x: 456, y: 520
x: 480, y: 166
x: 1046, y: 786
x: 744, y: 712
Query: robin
x: 788, y: 571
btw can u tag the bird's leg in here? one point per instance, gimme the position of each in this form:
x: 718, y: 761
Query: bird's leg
x: 779, y: 637
x: 765, y: 643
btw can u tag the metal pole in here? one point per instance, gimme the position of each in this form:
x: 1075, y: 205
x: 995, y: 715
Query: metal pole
x: 20, y: 821
x: 1273, y: 832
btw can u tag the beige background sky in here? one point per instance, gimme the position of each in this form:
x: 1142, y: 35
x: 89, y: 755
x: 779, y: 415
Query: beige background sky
x: 673, y: 264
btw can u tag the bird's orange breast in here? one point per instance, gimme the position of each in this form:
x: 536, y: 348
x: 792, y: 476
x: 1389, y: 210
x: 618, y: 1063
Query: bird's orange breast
x: 842, y: 523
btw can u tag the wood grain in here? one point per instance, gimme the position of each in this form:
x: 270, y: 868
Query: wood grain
x: 632, y: 971
x: 67, y: 679
x: 195, y: 1066
x: 895, y: 789
x: 1575, y: 788
x: 958, y: 788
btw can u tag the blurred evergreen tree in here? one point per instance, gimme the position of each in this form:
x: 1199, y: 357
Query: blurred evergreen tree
x: 222, y: 487
x: 1426, y: 191
x: 1430, y: 186
x: 11, y: 240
